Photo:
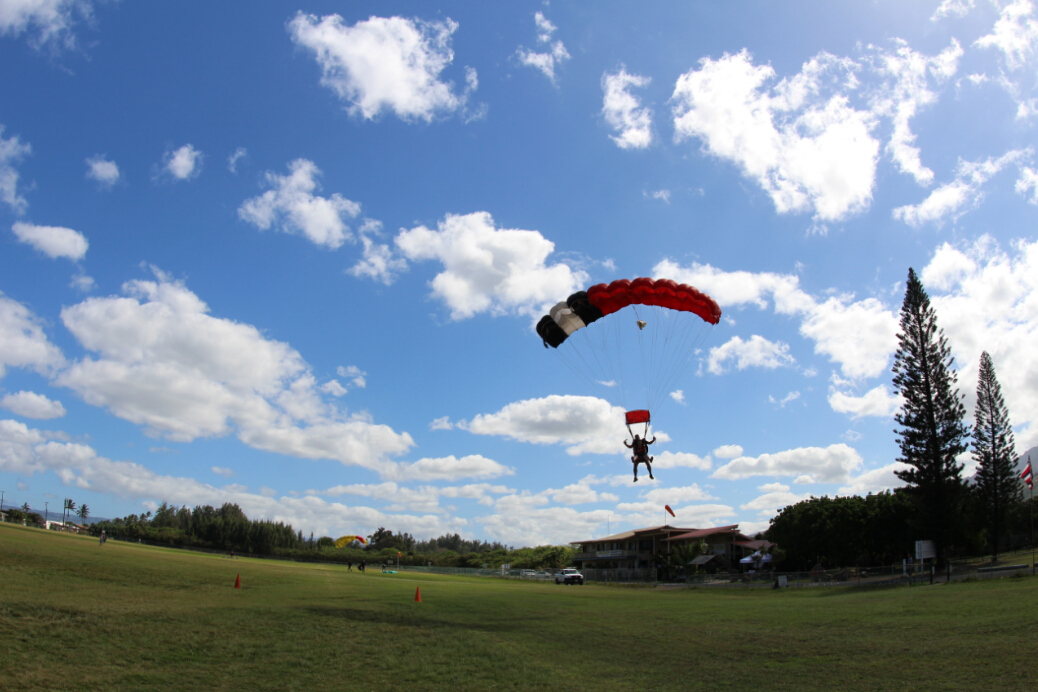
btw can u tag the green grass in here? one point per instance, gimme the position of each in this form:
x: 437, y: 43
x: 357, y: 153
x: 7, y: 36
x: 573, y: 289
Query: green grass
x: 75, y: 616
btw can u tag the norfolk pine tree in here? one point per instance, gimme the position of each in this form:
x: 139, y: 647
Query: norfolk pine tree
x: 997, y: 488
x: 933, y: 432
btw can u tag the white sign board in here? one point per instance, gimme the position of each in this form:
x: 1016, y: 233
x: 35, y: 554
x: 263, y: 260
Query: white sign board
x: 783, y: 582
x: 925, y: 550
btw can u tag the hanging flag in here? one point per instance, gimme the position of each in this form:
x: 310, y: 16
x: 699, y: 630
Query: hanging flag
x: 1027, y: 476
x: 667, y: 507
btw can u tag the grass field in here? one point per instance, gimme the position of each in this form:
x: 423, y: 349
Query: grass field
x: 76, y: 616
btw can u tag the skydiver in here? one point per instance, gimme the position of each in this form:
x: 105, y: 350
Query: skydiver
x: 641, y: 454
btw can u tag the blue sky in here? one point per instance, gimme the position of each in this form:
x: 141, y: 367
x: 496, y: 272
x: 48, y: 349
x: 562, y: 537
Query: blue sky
x: 291, y: 257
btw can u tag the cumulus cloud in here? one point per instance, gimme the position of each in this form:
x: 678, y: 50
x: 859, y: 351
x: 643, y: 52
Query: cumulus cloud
x: 807, y: 151
x: 728, y: 451
x: 585, y: 424
x: 792, y: 396
x: 1028, y: 183
x: 184, y: 163
x: 26, y: 451
x: 384, y: 64
x: 987, y: 300
x: 233, y: 159
x: 860, y: 335
x: 292, y: 207
x: 678, y: 396
x: 451, y: 468
x: 12, y: 151
x: 623, y: 112
x: 775, y: 497
x: 378, y: 261
x: 22, y: 341
x: 757, y: 352
x: 832, y: 464
x: 878, y: 401
x: 907, y: 89
x: 103, y: 171
x: 1015, y: 35
x: 952, y: 8
x: 32, y: 405
x: 163, y: 362
x: 674, y: 460
x: 957, y: 197
x: 688, y: 493
x: 547, y: 61
x: 876, y: 480
x: 356, y: 376
x: 487, y: 269
x: 53, y: 241
x: 222, y: 471
x: 48, y: 22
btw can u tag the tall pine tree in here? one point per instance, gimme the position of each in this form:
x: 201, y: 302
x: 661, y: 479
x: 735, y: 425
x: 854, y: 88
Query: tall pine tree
x: 933, y: 432
x: 997, y: 488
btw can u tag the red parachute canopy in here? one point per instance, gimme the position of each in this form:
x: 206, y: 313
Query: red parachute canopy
x: 638, y: 416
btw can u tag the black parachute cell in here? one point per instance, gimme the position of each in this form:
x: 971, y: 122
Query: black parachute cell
x: 550, y: 332
x: 579, y: 303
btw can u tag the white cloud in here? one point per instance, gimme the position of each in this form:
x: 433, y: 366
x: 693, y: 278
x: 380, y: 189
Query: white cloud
x: 1015, y: 34
x: 384, y: 63
x: 876, y: 480
x: 333, y: 387
x: 728, y: 451
x: 356, y: 376
x: 293, y: 207
x: 82, y: 283
x: 488, y: 269
x: 674, y: 460
x: 26, y: 451
x: 672, y: 496
x: 105, y: 172
x: 622, y: 110
x: 520, y: 520
x: 12, y: 151
x: 545, y: 62
x: 233, y: 159
x: 377, y: 262
x: 184, y: 163
x: 53, y: 241
x: 987, y: 300
x: 451, y: 468
x: 859, y: 335
x: 952, y: 8
x: 51, y: 20
x: 775, y: 497
x: 878, y: 401
x: 443, y: 423
x: 32, y: 405
x: 678, y: 396
x: 22, y: 341
x: 663, y: 195
x: 222, y: 471
x: 792, y: 396
x: 164, y: 363
x: 1028, y: 182
x: 905, y: 93
x: 806, y: 151
x: 832, y: 464
x: 757, y: 352
x: 584, y: 424
x: 954, y: 198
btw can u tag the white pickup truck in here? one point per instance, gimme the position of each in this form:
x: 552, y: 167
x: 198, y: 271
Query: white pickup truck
x: 569, y: 576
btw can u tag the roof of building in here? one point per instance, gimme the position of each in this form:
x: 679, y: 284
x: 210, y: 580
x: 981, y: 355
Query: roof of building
x: 755, y: 544
x: 703, y: 533
x: 633, y: 533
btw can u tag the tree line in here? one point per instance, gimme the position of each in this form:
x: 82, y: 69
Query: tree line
x: 936, y: 503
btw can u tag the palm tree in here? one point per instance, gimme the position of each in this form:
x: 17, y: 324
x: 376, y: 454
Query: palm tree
x: 83, y: 513
x: 26, y: 508
x: 685, y: 553
x: 70, y: 506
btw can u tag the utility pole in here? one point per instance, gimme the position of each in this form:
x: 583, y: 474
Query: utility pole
x: 2, y: 501
x: 46, y: 511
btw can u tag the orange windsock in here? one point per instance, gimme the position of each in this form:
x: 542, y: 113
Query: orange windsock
x: 667, y: 507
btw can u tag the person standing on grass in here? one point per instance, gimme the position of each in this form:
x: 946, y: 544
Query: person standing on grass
x: 349, y: 565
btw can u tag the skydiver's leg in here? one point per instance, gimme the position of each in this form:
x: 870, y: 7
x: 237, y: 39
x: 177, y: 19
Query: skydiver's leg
x: 635, y: 469
x: 649, y: 466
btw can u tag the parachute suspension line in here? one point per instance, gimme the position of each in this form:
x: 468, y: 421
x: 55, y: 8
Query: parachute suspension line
x: 643, y: 359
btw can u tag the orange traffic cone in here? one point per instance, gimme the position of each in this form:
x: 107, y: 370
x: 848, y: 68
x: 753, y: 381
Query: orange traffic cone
x: 418, y: 595
x: 237, y: 582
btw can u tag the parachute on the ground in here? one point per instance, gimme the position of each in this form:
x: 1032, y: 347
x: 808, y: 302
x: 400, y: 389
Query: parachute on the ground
x: 650, y: 333
x: 344, y: 541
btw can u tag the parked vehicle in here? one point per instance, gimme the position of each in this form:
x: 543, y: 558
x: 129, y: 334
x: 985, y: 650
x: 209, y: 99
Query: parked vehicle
x: 569, y: 576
